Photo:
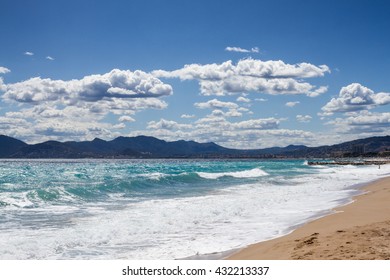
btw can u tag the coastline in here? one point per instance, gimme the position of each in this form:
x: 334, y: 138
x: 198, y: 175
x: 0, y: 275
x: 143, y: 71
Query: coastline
x: 358, y: 230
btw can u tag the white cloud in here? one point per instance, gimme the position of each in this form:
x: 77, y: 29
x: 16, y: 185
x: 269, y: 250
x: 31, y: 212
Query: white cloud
x: 210, y: 122
x: 216, y: 104
x: 4, y: 70
x: 62, y: 129
x: 233, y: 110
x: 269, y: 123
x: 292, y: 103
x: 318, y: 91
x: 126, y: 119
x: 29, y: 53
x: 241, y: 50
x: 121, y: 84
x: 75, y: 109
x: 167, y: 125
x: 355, y: 97
x: 41, y: 123
x: 120, y: 106
x: 261, y: 99
x: 363, y: 122
x: 2, y: 85
x: 250, y: 75
x: 185, y: 116
x: 49, y: 57
x: 243, y: 99
x: 231, y: 113
x: 8, y: 122
x: 119, y: 126
x: 303, y: 118
x: 248, y: 134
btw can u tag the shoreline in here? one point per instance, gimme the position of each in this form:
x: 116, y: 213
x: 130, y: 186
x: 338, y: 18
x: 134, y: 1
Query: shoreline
x: 357, y: 230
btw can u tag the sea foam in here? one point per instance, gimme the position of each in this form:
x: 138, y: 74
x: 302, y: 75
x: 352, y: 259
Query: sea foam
x: 253, y: 173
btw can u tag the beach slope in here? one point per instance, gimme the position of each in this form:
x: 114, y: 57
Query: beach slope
x: 359, y: 230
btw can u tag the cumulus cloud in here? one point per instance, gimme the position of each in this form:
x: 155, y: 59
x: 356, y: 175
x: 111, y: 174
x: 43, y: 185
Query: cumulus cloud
x: 241, y: 50
x: 120, y: 106
x: 292, y: 103
x: 363, y: 122
x: 216, y: 104
x: 252, y: 133
x: 243, y: 99
x: 29, y: 53
x: 126, y: 119
x: 49, y: 57
x: 63, y: 129
x: 4, y: 70
x: 63, y: 125
x: 224, y: 125
x: 303, y: 118
x: 40, y: 123
x: 119, y: 126
x: 255, y: 124
x: 355, y: 97
x: 167, y: 125
x: 76, y: 109
x: 2, y: 85
x: 231, y: 113
x: 115, y: 84
x: 251, y: 75
x: 8, y: 122
x: 185, y: 116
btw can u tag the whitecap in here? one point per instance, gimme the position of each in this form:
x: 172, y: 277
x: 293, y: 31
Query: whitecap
x: 253, y: 173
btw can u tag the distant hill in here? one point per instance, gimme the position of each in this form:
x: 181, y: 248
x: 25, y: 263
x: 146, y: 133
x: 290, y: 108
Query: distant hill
x: 150, y: 147
x: 9, y: 145
x: 49, y: 149
x: 373, y: 146
x: 121, y: 147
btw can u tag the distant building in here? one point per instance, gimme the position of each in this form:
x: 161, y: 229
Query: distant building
x: 358, y: 149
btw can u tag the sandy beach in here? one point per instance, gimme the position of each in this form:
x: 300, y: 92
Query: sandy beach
x: 357, y: 231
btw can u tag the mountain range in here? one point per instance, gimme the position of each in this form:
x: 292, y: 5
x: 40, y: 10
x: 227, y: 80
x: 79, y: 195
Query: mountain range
x: 150, y: 147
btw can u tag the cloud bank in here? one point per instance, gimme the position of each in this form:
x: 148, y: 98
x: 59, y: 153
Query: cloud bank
x: 363, y: 122
x: 115, y: 84
x: 251, y: 75
x: 78, y: 108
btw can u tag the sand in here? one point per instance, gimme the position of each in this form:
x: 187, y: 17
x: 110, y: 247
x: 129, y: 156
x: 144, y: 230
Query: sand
x: 357, y: 231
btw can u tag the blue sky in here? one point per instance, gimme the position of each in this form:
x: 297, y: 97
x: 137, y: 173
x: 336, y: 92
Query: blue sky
x: 244, y: 74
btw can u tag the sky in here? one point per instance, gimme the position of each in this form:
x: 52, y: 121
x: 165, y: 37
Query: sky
x: 240, y: 73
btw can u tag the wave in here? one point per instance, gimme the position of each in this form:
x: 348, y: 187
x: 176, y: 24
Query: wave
x: 253, y: 173
x: 153, y: 176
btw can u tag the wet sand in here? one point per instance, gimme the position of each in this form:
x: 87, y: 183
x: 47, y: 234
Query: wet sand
x: 359, y: 230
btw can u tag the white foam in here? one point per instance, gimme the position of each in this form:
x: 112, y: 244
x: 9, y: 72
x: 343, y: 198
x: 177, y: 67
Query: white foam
x: 153, y: 176
x: 253, y: 173
x: 18, y: 200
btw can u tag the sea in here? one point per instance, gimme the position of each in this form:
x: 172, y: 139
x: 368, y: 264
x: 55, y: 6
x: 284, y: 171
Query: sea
x: 162, y: 209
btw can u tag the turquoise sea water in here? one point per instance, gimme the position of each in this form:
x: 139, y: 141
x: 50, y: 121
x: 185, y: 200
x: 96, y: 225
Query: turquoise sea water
x: 161, y: 209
